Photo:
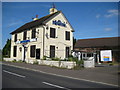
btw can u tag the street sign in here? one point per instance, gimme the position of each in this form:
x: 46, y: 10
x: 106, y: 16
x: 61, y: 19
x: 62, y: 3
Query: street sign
x: 106, y: 55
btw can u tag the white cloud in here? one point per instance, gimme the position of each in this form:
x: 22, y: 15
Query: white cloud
x: 111, y: 13
x: 14, y: 23
x: 108, y: 29
x: 98, y: 16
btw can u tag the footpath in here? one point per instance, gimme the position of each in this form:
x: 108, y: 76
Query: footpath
x: 105, y: 74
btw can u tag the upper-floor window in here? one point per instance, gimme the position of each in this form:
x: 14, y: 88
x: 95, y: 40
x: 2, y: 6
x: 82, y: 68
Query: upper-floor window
x: 67, y: 35
x: 33, y: 33
x: 15, y: 38
x: 24, y: 35
x: 52, y: 32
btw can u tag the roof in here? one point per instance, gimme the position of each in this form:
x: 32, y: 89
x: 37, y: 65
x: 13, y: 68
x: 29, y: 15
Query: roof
x: 35, y: 23
x: 97, y: 42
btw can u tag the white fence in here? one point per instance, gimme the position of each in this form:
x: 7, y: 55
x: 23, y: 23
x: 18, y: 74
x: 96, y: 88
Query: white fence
x: 61, y: 64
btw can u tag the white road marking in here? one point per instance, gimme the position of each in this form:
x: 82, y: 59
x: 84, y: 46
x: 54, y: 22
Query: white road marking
x: 14, y: 74
x: 55, y: 85
x: 61, y: 75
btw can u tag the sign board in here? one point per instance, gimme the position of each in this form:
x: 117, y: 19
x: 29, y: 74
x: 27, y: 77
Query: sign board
x: 55, y: 22
x: 106, y: 55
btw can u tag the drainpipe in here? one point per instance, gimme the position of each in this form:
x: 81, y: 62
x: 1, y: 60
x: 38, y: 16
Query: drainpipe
x: 43, y: 38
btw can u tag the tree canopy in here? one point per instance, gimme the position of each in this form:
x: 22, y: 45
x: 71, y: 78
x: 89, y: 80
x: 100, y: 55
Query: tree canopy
x: 6, y: 48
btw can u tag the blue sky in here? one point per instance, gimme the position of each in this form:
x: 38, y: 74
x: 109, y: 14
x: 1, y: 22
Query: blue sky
x: 89, y: 19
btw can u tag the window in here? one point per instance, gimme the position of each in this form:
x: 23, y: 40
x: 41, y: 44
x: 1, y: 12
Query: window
x: 14, y: 51
x: 15, y: 38
x: 52, y: 51
x: 52, y: 32
x: 25, y: 35
x: 33, y: 33
x: 67, y: 35
x: 32, y: 50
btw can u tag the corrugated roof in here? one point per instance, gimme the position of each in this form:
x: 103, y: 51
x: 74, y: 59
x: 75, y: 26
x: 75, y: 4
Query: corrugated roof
x: 35, y: 23
x: 97, y: 42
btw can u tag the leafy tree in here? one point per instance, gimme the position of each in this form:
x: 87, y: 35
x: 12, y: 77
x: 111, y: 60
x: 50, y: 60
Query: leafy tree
x: 6, y: 48
x: 74, y: 41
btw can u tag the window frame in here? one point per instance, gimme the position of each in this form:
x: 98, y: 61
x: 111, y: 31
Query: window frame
x: 32, y: 51
x: 67, y: 35
x: 52, y: 32
x: 25, y: 35
x: 15, y: 51
x: 15, y: 37
x: 33, y: 34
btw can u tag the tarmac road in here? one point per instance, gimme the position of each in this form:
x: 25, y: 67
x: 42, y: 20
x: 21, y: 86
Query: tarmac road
x: 13, y: 77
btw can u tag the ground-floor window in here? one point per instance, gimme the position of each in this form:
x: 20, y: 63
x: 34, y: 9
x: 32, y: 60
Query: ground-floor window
x: 52, y: 51
x: 14, y: 51
x: 32, y: 50
x: 67, y: 52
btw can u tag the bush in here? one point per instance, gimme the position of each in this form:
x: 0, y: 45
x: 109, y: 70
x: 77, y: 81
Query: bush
x: 14, y: 60
x: 56, y: 59
x: 19, y: 61
x: 35, y: 62
x: 44, y: 57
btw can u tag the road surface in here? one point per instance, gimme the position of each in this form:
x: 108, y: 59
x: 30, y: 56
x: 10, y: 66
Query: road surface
x: 13, y: 77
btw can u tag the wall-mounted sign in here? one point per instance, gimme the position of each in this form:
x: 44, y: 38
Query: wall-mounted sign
x: 55, y: 22
x: 26, y: 41
x: 106, y: 55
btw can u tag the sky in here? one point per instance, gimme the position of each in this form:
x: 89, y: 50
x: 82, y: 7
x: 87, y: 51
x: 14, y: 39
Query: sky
x: 89, y: 19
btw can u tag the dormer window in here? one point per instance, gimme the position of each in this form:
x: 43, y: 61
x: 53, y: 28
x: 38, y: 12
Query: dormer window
x: 33, y: 33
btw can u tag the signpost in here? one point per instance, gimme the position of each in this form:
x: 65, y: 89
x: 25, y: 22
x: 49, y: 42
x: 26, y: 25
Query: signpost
x: 106, y: 55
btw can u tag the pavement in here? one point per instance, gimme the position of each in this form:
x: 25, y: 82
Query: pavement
x: 107, y: 75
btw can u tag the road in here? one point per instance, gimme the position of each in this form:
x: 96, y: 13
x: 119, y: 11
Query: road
x: 13, y: 77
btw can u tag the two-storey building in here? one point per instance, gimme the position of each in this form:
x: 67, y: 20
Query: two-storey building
x: 50, y: 36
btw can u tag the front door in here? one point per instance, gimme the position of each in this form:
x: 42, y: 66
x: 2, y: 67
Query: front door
x: 52, y: 51
x: 37, y: 53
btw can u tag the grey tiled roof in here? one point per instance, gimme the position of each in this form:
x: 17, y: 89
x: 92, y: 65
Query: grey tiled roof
x: 35, y: 23
x: 97, y: 42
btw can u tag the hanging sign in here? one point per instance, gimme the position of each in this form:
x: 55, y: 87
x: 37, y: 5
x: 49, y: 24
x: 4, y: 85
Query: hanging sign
x: 106, y: 55
x: 55, y: 22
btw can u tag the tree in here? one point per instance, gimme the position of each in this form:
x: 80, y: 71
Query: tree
x: 6, y: 48
x: 74, y: 41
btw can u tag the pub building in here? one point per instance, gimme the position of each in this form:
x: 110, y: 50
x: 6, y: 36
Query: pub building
x: 50, y: 36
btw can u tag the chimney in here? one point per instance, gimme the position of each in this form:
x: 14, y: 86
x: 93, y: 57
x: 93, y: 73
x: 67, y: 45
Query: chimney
x: 53, y: 9
x: 36, y: 18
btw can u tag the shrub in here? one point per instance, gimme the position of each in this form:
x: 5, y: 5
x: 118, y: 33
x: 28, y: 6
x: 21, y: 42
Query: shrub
x: 56, y: 59
x: 19, y: 61
x: 14, y: 60
x: 44, y: 57
x: 35, y: 62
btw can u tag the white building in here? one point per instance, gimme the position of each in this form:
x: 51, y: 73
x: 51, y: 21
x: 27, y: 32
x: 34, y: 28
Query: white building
x: 50, y: 36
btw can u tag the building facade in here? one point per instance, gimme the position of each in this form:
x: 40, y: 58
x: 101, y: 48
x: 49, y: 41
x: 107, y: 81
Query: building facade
x: 89, y: 47
x: 50, y: 36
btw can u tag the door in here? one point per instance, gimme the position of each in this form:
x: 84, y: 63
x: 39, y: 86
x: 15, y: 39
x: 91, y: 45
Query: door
x: 67, y: 52
x: 52, y: 51
x: 37, y: 53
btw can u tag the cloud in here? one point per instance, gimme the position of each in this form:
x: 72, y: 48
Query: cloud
x: 108, y: 29
x: 14, y: 23
x: 98, y: 16
x: 111, y: 13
